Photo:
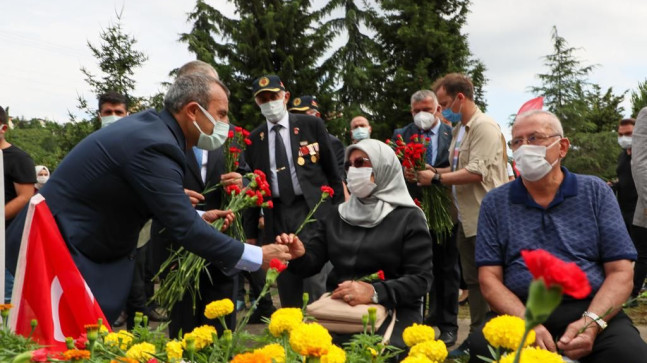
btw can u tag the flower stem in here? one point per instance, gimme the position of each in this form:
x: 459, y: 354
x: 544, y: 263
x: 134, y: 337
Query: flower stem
x: 521, y: 344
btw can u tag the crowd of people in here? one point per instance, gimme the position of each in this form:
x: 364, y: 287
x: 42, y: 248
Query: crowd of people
x: 132, y: 190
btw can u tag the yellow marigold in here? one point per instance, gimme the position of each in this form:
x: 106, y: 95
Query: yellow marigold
x: 335, y: 355
x: 417, y: 333
x: 114, y: 339
x: 506, y: 331
x: 76, y: 354
x: 202, y: 336
x: 218, y: 308
x: 103, y: 330
x: 534, y: 355
x: 435, y: 350
x: 310, y: 340
x: 274, y: 352
x: 416, y: 359
x: 284, y: 320
x: 142, y: 351
x: 174, y: 350
x: 254, y: 357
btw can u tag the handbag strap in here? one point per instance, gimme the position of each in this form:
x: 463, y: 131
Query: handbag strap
x: 389, y: 330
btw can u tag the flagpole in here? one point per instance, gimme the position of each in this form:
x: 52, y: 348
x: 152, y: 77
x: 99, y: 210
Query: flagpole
x: 2, y: 229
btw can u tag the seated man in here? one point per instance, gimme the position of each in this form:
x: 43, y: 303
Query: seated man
x: 574, y: 217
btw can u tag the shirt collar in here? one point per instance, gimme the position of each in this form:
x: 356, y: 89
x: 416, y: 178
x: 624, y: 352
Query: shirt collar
x: 283, y: 122
x: 568, y: 188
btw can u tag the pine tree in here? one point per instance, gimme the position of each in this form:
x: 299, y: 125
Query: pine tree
x: 420, y: 41
x: 639, y: 98
x: 267, y: 37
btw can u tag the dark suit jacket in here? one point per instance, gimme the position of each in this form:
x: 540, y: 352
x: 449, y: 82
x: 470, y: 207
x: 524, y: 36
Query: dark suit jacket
x: 339, y: 150
x: 303, y: 128
x: 108, y: 186
x: 442, y: 155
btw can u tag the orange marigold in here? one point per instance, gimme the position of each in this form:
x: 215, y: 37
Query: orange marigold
x: 252, y: 357
x: 76, y: 354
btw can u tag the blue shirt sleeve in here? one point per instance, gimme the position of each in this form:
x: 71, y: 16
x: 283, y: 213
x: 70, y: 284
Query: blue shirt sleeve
x: 488, y: 251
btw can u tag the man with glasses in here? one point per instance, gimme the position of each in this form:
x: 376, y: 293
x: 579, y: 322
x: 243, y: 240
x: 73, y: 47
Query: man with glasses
x: 574, y: 217
x: 477, y: 165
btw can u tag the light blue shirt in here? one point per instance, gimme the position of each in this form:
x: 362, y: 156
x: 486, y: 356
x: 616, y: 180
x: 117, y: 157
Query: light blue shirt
x: 285, y: 134
x: 432, y: 133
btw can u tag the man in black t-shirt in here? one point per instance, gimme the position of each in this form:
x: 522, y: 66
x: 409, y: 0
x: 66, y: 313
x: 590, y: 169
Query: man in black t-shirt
x: 19, y: 179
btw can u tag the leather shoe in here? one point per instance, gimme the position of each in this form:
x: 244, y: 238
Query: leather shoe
x: 154, y: 315
x: 448, y: 337
x: 121, y: 320
x: 461, y: 351
x: 259, y: 314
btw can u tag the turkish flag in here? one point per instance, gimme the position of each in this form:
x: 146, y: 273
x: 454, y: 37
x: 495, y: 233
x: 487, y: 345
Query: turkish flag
x: 534, y: 104
x: 48, y: 286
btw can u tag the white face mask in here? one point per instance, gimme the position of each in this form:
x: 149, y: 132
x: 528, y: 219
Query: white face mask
x: 361, y: 133
x: 273, y: 110
x: 217, y: 137
x: 42, y: 179
x: 424, y: 120
x: 107, y: 120
x: 625, y: 142
x: 531, y: 161
x: 359, y: 181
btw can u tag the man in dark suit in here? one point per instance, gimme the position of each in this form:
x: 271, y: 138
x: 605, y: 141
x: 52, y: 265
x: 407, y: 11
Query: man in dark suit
x: 444, y: 290
x: 308, y: 105
x: 295, y: 153
x: 117, y: 178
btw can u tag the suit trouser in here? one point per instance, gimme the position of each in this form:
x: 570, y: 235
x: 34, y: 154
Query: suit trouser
x: 478, y: 305
x: 639, y: 237
x: 443, y: 299
x: 619, y: 342
x: 287, y: 219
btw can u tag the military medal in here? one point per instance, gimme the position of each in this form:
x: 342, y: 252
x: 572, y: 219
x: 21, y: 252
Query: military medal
x: 313, y: 158
x: 296, y: 130
x: 301, y: 161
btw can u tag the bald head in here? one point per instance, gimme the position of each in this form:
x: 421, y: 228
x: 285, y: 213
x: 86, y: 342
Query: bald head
x: 198, y: 67
x: 359, y: 121
x: 550, y: 123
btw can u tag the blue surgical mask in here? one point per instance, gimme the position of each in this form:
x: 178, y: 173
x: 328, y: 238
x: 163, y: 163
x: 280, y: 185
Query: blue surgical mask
x: 451, y: 116
x: 361, y: 133
x: 217, y: 137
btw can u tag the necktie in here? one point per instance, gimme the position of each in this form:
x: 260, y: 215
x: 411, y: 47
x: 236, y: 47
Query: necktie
x: 283, y: 174
x: 430, y: 148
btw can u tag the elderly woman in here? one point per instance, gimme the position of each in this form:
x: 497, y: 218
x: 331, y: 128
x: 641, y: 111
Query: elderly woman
x: 378, y: 228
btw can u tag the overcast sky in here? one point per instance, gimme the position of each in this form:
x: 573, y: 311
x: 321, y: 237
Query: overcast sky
x: 44, y: 45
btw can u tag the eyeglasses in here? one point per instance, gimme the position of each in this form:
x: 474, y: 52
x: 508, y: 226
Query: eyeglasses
x: 358, y: 163
x: 534, y: 139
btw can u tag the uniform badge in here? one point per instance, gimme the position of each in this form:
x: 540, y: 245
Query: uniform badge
x: 297, y: 101
x: 301, y: 161
x: 296, y: 130
x: 264, y: 82
x: 303, y: 143
x: 262, y: 135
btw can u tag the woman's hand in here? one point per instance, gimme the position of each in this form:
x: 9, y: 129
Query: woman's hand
x: 211, y: 215
x: 354, y: 292
x: 294, y: 244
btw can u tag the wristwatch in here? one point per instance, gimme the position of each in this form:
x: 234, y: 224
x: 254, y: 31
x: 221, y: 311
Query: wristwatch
x: 436, y: 179
x: 374, y: 299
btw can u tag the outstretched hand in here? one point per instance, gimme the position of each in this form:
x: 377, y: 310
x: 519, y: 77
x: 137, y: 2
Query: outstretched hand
x: 211, y: 215
x: 293, y: 242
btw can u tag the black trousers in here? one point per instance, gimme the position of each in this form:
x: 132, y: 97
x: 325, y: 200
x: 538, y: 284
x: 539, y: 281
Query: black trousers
x: 619, y: 342
x: 639, y: 237
x: 287, y: 219
x: 443, y: 297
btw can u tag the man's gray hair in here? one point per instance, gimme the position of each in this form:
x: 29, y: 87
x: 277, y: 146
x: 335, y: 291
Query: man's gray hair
x: 422, y: 95
x: 197, y: 67
x: 552, y: 121
x: 189, y: 88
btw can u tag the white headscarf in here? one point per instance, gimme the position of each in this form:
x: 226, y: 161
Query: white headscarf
x: 40, y: 168
x: 391, y: 190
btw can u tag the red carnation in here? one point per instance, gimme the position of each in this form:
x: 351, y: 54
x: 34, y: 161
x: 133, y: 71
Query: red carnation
x: 277, y: 265
x: 248, y: 142
x: 259, y: 201
x: 238, y: 129
x: 380, y: 275
x: 388, y: 141
x: 270, y: 204
x: 81, y: 341
x: 260, y: 173
x: 232, y: 188
x: 250, y: 193
x: 327, y: 190
x: 417, y: 202
x: 230, y: 135
x: 554, y: 271
x: 245, y: 133
x: 39, y: 355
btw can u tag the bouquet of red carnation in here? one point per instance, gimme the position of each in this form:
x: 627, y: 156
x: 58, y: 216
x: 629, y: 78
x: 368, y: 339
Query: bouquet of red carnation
x: 435, y: 200
x: 236, y: 143
x: 184, y: 267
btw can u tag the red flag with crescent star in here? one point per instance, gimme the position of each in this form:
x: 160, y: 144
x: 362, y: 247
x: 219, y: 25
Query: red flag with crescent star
x: 48, y: 286
x: 534, y: 104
